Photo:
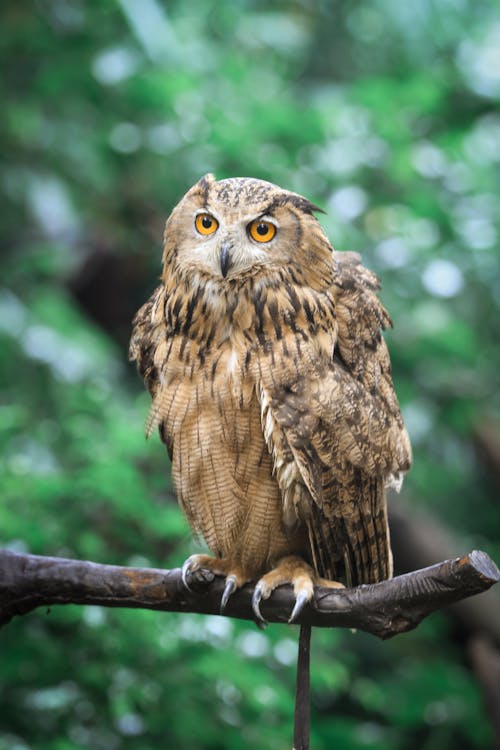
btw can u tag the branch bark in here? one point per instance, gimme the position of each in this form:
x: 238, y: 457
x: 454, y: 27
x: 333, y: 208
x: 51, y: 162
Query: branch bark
x: 383, y: 609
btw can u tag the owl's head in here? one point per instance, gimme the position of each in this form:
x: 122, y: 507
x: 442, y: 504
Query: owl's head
x: 235, y: 227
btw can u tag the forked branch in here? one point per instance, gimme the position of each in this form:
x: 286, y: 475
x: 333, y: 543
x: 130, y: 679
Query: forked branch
x: 383, y: 609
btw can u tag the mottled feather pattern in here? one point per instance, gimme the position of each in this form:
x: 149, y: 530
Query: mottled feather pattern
x: 272, y: 387
x: 346, y: 433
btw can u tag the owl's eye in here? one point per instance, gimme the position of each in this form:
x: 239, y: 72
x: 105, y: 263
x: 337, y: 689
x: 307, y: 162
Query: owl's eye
x: 206, y: 224
x: 262, y: 231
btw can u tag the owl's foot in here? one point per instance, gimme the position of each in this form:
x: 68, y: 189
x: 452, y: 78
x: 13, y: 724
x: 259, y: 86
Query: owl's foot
x: 292, y: 570
x: 203, y: 569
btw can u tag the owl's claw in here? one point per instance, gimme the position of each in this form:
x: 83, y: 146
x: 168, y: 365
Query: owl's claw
x: 302, y: 598
x: 256, y: 599
x: 185, y: 573
x: 194, y: 571
x: 229, y: 588
x: 290, y: 569
x: 300, y: 602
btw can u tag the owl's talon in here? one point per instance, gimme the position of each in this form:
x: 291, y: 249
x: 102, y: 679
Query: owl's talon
x: 195, y: 570
x: 300, y: 602
x: 229, y: 588
x: 185, y: 573
x: 256, y: 599
x: 202, y: 576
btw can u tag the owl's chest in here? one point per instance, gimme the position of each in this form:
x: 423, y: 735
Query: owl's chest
x: 210, y: 396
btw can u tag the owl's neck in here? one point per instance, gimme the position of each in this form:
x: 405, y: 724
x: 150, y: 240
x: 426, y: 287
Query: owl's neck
x: 261, y: 308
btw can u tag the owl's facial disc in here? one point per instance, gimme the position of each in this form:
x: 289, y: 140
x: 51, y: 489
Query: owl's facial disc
x: 232, y: 245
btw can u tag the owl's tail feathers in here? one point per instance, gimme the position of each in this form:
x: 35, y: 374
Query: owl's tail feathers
x: 353, y: 547
x: 367, y: 545
x: 302, y: 692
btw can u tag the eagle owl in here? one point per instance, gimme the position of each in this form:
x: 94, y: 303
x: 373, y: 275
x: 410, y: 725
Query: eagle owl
x: 271, y: 388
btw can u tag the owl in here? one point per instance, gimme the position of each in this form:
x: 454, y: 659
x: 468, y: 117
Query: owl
x: 271, y: 388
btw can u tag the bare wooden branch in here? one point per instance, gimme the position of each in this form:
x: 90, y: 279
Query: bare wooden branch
x: 383, y: 609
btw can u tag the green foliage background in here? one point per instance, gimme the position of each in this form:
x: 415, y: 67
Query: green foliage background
x: 386, y: 114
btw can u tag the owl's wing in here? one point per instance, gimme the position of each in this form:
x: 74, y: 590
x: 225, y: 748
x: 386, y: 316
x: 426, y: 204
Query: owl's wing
x: 342, y: 424
x: 148, y: 348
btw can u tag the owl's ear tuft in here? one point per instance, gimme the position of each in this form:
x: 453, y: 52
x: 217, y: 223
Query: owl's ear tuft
x: 201, y: 188
x: 303, y: 204
x: 313, y: 208
x: 205, y: 182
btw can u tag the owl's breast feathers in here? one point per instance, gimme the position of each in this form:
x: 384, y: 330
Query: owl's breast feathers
x: 284, y: 389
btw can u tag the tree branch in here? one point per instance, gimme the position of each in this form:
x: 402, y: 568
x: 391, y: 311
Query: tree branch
x: 383, y: 609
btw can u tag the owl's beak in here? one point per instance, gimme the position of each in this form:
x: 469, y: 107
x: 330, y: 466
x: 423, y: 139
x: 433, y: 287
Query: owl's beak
x: 225, y: 258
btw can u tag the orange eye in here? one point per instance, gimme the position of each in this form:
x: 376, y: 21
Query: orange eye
x: 206, y: 224
x: 262, y: 231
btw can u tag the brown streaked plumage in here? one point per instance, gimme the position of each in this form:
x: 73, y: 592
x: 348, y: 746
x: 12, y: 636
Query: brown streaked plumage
x: 272, y: 389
